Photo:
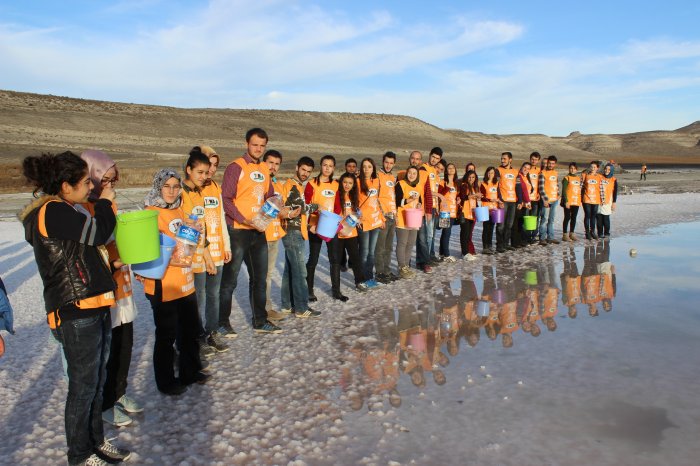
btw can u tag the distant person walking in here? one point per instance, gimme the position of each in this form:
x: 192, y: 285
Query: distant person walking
x: 643, y: 172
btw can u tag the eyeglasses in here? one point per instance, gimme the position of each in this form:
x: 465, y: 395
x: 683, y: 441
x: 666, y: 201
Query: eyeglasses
x: 176, y: 187
x: 106, y: 181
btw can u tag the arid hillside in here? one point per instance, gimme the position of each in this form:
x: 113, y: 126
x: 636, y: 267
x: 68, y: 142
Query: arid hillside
x: 144, y: 137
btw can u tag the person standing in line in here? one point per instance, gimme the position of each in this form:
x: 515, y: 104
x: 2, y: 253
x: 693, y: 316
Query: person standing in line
x: 507, y: 200
x: 523, y: 191
x: 410, y: 193
x: 372, y: 220
x: 548, y: 188
x: 321, y: 191
x: 469, y: 195
x: 387, y: 202
x: 607, y: 208
x: 274, y: 233
x: 489, y: 195
x: 593, y: 196
x: 449, y: 189
x: 643, y: 172
x: 246, y: 187
x: 351, y: 167
x: 78, y: 291
x: 570, y: 201
x: 427, y: 234
x: 535, y: 210
x: 294, y: 290
x: 422, y: 251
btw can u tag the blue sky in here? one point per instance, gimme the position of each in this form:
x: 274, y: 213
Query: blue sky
x: 495, y: 67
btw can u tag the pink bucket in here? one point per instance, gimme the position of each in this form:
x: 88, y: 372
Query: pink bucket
x: 497, y: 215
x: 417, y: 341
x: 413, y: 218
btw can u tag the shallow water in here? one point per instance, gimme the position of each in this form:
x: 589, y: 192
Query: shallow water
x: 607, y: 375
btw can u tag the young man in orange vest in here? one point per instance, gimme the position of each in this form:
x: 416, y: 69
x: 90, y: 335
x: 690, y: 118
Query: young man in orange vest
x: 387, y: 201
x: 507, y: 200
x: 534, y: 209
x: 246, y: 186
x: 427, y: 233
x: 548, y: 187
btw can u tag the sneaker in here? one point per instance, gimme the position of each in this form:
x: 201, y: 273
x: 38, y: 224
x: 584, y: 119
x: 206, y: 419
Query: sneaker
x: 267, y: 327
x: 312, y: 297
x: 112, y: 453
x: 93, y: 460
x: 227, y: 331
x: 394, y: 277
x: 470, y: 257
x: 594, y: 236
x: 500, y: 250
x: 487, y: 252
x: 361, y: 287
x: 449, y: 259
x: 206, y: 351
x: 275, y: 315
x: 553, y: 241
x: 287, y: 311
x: 116, y: 416
x: 384, y: 279
x: 201, y: 378
x: 371, y: 283
x: 214, y: 341
x: 307, y: 313
x: 433, y: 261
x: 129, y: 405
x: 406, y: 272
x: 572, y: 236
x: 510, y: 248
x: 543, y: 242
x: 427, y: 269
x: 175, y: 389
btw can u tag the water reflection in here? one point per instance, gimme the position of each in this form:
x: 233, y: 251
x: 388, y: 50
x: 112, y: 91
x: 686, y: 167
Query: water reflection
x: 497, y: 302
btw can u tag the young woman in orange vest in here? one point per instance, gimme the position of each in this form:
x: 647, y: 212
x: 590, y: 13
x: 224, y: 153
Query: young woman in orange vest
x: 173, y: 297
x: 489, y: 198
x: 115, y: 403
x: 372, y: 218
x: 78, y: 290
x: 346, y: 203
x: 570, y: 201
x: 409, y: 194
x: 608, y: 207
x: 593, y: 195
x: 449, y: 189
x: 469, y: 194
x: 321, y: 191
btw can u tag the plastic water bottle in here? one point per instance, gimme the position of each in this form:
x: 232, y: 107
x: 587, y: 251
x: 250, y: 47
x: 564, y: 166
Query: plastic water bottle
x: 186, y: 241
x: 348, y: 223
x: 444, y: 220
x: 269, y: 210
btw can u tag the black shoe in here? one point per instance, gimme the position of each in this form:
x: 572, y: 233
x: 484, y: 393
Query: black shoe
x: 393, y: 277
x: 343, y: 268
x: 312, y: 297
x: 175, y: 389
x: 510, y: 248
x: 340, y: 297
x: 434, y: 261
x: 381, y: 278
x: 500, y: 250
x: 201, y: 378
x: 111, y: 453
x: 307, y: 313
x: 487, y: 252
x: 267, y: 327
x: 594, y: 236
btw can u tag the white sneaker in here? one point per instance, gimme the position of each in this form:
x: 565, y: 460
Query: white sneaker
x: 470, y: 257
x: 129, y: 405
x: 116, y: 416
x: 94, y: 460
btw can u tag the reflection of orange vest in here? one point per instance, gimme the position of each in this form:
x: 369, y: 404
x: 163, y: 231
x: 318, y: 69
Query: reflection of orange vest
x: 286, y: 189
x: 551, y: 184
x: 213, y: 215
x: 591, y: 188
x: 407, y: 190
x: 177, y: 282
x: 573, y: 190
x: 533, y: 310
x: 534, y: 180
x: 324, y: 196
x: 387, y: 194
x: 606, y: 286
x: 549, y: 306
x: 506, y: 184
x: 491, y: 199
x: 591, y: 284
x: 508, y: 317
x: 572, y: 290
x: 369, y: 206
x: 274, y: 231
x: 253, y: 185
x: 193, y: 203
x: 609, y: 187
x: 347, y: 210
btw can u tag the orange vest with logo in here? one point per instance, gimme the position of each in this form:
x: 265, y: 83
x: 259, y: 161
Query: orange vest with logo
x: 324, y: 196
x: 591, y: 283
x: 286, y: 189
x: 433, y: 177
x: 508, y: 317
x: 253, y: 185
x: 193, y: 204
x: 591, y: 188
x: 387, y: 194
x: 609, y: 187
x: 549, y: 306
x: 506, y: 184
x: 491, y: 198
x: 573, y: 190
x: 534, y: 180
x: 177, y: 282
x: 369, y: 206
x: 468, y: 207
x: 572, y: 290
x: 274, y: 231
x: 213, y: 215
x: 551, y: 184
x: 451, y: 197
x: 407, y: 190
x: 346, y: 209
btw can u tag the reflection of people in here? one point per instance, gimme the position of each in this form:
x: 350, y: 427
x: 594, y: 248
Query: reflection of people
x: 590, y: 281
x: 570, y: 283
x: 608, y: 287
x: 643, y: 172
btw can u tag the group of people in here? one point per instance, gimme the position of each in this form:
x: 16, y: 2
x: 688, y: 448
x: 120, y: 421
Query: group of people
x: 88, y: 291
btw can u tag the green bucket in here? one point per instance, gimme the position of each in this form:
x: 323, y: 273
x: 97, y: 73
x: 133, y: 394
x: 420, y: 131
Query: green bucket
x: 531, y: 277
x: 137, y: 236
x: 529, y: 223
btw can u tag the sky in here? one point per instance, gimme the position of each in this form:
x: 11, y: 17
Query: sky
x: 494, y: 67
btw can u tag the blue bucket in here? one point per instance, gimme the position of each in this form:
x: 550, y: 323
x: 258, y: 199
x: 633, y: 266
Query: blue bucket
x: 481, y: 214
x: 156, y: 268
x: 328, y: 224
x: 482, y: 308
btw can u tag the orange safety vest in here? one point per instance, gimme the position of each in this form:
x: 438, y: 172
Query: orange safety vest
x: 573, y: 190
x: 286, y: 189
x: 506, y: 184
x: 468, y: 208
x: 253, y: 185
x: 551, y: 184
x: 193, y: 203
x: 177, y: 282
x: 451, y: 197
x: 372, y: 217
x: 274, y: 231
x: 432, y: 176
x: 491, y: 190
x: 387, y: 193
x: 572, y: 287
x: 508, y: 317
x: 215, y: 225
x: 591, y: 283
x: 609, y: 187
x: 591, y: 190
x: 549, y: 307
x: 324, y: 196
x: 408, y: 190
x: 534, y: 180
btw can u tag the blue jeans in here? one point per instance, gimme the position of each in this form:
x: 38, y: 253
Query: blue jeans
x: 368, y: 243
x: 294, y: 290
x: 207, y: 288
x: 445, y: 239
x: 590, y: 211
x: 425, y: 249
x: 547, y: 222
x: 85, y: 345
x: 249, y: 246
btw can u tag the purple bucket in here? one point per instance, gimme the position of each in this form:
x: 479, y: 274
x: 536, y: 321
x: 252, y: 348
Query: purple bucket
x: 497, y: 215
x: 498, y: 296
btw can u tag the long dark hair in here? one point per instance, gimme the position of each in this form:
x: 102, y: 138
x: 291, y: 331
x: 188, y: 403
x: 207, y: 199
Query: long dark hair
x: 353, y: 194
x: 470, y: 188
x: 363, y: 182
x: 455, y: 178
x: 48, y: 172
x: 320, y: 166
x: 496, y: 174
x: 466, y: 172
x: 527, y: 178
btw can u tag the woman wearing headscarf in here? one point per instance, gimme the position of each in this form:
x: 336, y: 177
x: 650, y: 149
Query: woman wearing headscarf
x: 607, y: 207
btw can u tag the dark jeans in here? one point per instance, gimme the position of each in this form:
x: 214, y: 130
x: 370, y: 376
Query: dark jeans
x: 535, y: 211
x: 487, y: 234
x: 445, y: 239
x: 368, y: 243
x: 519, y: 235
x: 589, y: 213
x: 503, y: 230
x: 295, y: 294
x: 352, y: 247
x: 249, y: 246
x: 175, y: 320
x: 465, y: 237
x: 86, y: 344
x: 207, y: 288
x: 314, y: 252
x: 118, y: 364
x: 603, y: 224
x: 385, y: 246
x: 570, y: 218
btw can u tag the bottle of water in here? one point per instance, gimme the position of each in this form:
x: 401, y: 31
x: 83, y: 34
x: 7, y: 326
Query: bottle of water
x: 186, y: 241
x: 269, y: 210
